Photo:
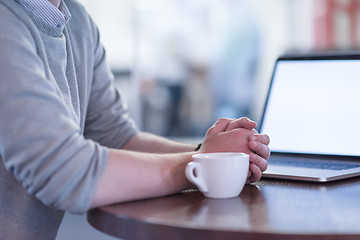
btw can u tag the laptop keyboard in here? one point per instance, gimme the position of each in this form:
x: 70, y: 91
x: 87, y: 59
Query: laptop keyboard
x: 318, y: 165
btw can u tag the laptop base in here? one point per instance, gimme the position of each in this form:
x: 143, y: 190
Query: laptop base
x: 309, y: 175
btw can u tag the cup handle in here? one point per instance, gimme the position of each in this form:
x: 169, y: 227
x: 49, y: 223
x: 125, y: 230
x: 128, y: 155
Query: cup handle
x: 190, y: 170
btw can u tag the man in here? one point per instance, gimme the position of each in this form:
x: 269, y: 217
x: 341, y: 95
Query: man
x: 66, y: 142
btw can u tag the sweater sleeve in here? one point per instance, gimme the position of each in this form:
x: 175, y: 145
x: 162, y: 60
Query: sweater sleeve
x: 107, y: 121
x: 39, y: 141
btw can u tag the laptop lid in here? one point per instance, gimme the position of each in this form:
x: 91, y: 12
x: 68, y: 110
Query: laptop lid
x: 313, y: 111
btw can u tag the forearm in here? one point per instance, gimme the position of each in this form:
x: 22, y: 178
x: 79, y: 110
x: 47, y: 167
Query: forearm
x: 147, y: 142
x: 133, y: 175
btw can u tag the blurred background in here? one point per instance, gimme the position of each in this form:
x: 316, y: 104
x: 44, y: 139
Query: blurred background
x: 181, y: 64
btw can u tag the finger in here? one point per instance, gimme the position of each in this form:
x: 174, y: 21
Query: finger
x: 219, y: 126
x: 248, y: 180
x: 256, y: 173
x: 258, y: 161
x: 260, y: 149
x: 254, y: 132
x: 243, y: 122
x: 249, y: 173
x: 262, y: 138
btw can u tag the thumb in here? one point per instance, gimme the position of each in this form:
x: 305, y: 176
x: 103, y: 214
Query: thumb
x: 243, y: 122
x: 219, y: 126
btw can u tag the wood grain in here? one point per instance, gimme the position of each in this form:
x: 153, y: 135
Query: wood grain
x: 269, y: 209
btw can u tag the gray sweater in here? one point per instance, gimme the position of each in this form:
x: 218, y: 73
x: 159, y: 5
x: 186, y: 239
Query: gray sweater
x: 59, y: 111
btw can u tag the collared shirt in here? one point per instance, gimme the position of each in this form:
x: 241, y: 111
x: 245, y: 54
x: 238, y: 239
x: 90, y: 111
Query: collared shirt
x: 48, y: 12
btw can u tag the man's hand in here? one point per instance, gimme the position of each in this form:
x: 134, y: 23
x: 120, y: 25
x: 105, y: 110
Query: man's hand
x: 258, y: 143
x: 258, y: 157
x: 239, y: 135
x: 217, y: 139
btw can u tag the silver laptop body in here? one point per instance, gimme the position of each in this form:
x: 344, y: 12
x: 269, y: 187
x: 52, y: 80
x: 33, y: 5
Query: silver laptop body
x: 312, y: 115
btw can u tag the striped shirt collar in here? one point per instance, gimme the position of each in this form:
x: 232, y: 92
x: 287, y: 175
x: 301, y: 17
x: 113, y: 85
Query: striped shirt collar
x: 46, y: 11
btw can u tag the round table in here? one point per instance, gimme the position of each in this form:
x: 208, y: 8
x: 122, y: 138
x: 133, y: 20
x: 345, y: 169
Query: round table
x: 269, y: 209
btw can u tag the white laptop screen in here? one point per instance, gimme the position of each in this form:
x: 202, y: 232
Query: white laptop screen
x: 313, y: 107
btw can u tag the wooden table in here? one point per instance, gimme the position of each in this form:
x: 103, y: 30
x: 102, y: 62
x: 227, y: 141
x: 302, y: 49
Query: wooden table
x: 269, y: 209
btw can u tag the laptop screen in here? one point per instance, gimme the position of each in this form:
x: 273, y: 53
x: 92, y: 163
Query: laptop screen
x: 313, y: 107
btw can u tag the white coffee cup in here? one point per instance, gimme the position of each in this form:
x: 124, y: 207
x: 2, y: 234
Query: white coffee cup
x: 218, y: 175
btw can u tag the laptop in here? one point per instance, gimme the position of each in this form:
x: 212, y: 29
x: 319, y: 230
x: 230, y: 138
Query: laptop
x: 312, y: 115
